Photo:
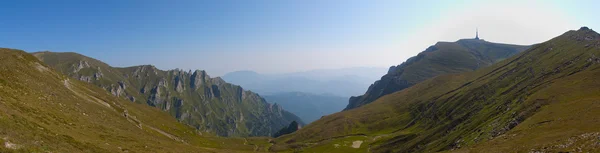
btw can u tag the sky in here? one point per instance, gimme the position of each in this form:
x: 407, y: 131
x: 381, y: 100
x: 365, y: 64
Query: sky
x: 276, y: 36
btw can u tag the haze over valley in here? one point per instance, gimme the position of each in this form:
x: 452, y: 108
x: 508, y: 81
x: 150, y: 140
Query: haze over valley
x: 299, y: 76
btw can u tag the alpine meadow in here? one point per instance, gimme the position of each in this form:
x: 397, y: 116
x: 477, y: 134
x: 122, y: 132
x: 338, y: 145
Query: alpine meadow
x: 299, y: 76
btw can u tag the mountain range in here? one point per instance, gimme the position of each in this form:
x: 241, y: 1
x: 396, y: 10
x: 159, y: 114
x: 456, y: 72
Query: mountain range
x: 442, y: 58
x: 309, y: 94
x: 544, y: 99
x: 194, y: 98
x: 43, y: 110
x: 465, y: 96
x: 340, y: 82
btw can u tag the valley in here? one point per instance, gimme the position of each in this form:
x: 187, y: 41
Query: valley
x: 486, y: 110
x: 262, y: 76
x: 542, y: 99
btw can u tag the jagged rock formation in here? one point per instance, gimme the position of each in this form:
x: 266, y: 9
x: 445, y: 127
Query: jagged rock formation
x: 42, y: 110
x: 208, y: 104
x: 442, y: 58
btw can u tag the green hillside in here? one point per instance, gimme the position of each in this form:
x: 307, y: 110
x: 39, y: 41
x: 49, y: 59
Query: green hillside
x: 543, y: 99
x: 464, y: 55
x: 194, y: 98
x: 45, y: 111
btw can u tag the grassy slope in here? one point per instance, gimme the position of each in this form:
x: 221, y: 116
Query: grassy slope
x: 570, y: 124
x: 209, y: 104
x: 531, y: 100
x: 464, y: 55
x: 41, y: 112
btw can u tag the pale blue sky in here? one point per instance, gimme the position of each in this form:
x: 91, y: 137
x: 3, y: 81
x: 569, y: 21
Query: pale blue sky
x: 272, y: 36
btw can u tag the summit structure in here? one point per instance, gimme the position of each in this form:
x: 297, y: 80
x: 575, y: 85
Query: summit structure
x: 476, y: 34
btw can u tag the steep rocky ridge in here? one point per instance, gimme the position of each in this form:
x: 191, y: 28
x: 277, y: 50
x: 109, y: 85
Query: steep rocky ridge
x: 194, y: 98
x: 442, y: 58
x: 42, y: 110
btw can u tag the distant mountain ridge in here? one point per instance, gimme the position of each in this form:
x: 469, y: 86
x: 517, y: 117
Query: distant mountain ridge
x: 442, y: 58
x: 544, y: 99
x: 194, y: 98
x: 309, y: 107
x: 341, y: 82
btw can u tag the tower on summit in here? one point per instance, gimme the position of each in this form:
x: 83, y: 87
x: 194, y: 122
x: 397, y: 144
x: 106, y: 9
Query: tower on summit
x: 476, y: 34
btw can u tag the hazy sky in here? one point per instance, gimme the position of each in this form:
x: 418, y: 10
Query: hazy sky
x: 273, y: 36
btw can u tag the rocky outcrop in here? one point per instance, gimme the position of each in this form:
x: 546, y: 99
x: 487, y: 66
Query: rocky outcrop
x: 193, y: 97
x: 179, y: 84
x: 85, y: 79
x: 86, y: 76
x: 198, y: 79
x: 118, y: 89
x: 131, y: 98
x: 98, y: 74
x: 81, y: 65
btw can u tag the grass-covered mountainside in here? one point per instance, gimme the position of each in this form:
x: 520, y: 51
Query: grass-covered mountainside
x: 544, y: 99
x: 194, y: 98
x: 42, y: 110
x: 309, y: 107
x: 442, y: 58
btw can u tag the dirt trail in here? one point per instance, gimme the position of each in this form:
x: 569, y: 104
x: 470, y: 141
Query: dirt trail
x: 130, y: 118
x: 141, y: 125
x: 165, y: 133
x: 41, y: 68
x: 67, y: 84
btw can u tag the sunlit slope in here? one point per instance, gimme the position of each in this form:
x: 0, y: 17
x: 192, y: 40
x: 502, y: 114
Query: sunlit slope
x: 193, y: 97
x: 464, y: 55
x: 541, y: 98
x: 43, y: 111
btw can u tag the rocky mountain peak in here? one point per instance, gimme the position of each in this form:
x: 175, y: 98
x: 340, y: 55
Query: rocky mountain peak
x: 198, y: 78
x: 584, y: 28
x: 218, y: 81
x: 585, y: 35
x: 179, y: 83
